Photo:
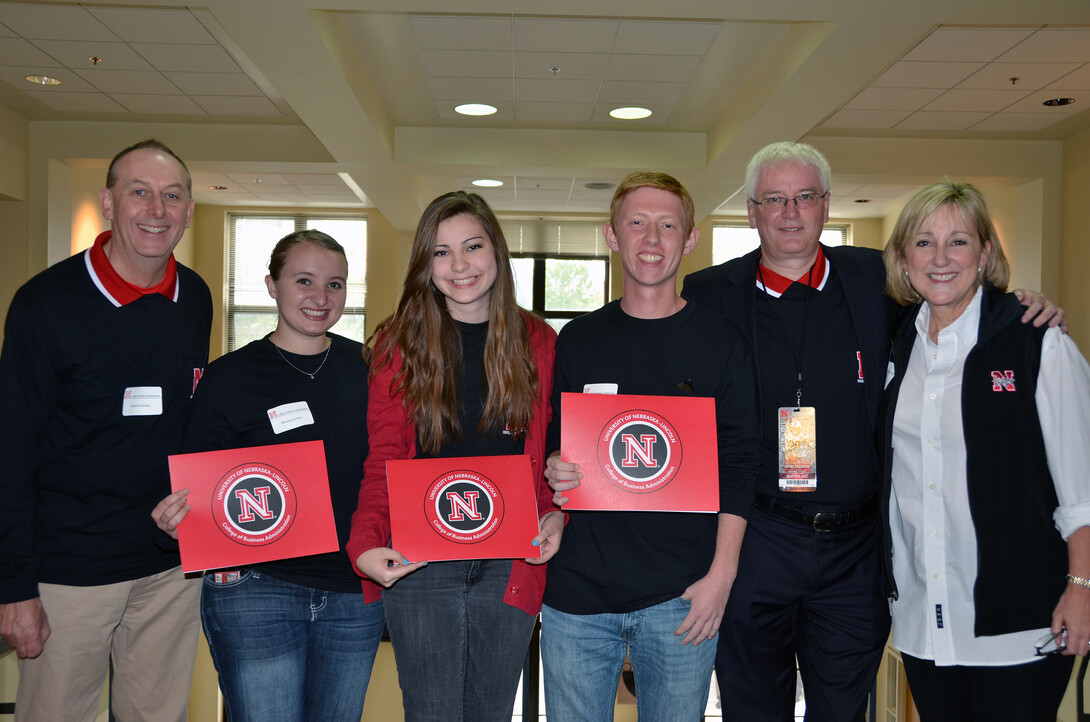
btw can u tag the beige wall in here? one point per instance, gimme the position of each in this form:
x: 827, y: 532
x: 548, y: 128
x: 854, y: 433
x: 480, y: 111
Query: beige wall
x: 1074, y: 260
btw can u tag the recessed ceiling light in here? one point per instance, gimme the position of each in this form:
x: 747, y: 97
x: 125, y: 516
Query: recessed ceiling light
x: 42, y: 80
x: 475, y: 109
x: 862, y: 200
x: 217, y: 188
x: 487, y: 183
x: 630, y: 113
x: 599, y: 186
x: 1056, y: 102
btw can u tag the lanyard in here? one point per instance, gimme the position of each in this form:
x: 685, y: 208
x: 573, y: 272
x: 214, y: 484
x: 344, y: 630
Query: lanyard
x: 805, y: 312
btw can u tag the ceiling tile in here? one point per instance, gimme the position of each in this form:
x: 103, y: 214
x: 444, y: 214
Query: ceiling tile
x: 78, y: 102
x: 1017, y: 122
x: 967, y: 44
x: 555, y: 89
x: 16, y: 51
x: 1030, y: 75
x: 1052, y: 45
x: 157, y: 104
x: 1076, y: 80
x: 77, y: 53
x: 640, y: 93
x: 666, y: 38
x: 893, y: 98
x: 214, y: 83
x: 573, y: 66
x: 529, y: 183
x: 565, y: 36
x: 652, y: 68
x: 227, y: 105
x: 467, y: 63
x: 976, y: 100
x: 56, y: 22
x: 554, y: 112
x: 471, y: 90
x: 1034, y: 103
x: 305, y: 180
x: 192, y: 58
x: 167, y: 26
x: 128, y: 81
x: 258, y: 179
x: 924, y: 120
x: 865, y: 119
x: 907, y: 74
x: 461, y: 33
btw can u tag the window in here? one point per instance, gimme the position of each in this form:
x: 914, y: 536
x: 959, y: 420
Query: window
x: 561, y: 267
x: 251, y: 312
x: 734, y: 239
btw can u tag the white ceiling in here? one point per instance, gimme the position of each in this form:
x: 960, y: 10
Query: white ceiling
x: 374, y: 84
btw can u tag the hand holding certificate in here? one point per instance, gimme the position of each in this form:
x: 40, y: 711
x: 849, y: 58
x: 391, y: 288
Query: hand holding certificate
x: 641, y: 453
x: 472, y: 507
x: 254, y: 505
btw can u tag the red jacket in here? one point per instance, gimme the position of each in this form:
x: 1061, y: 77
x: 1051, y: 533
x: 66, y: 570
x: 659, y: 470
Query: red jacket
x: 393, y: 436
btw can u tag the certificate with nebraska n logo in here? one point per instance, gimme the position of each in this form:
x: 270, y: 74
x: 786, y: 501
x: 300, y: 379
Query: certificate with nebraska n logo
x: 466, y: 507
x: 254, y: 505
x: 641, y: 453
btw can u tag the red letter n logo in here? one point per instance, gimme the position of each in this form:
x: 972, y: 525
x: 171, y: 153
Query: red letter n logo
x: 644, y: 449
x: 1003, y: 381
x: 460, y: 505
x: 250, y: 504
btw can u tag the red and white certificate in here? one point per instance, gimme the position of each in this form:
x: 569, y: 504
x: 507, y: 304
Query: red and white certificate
x: 254, y: 505
x: 641, y: 453
x: 468, y: 507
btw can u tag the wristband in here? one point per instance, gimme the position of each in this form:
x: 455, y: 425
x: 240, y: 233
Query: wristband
x: 1085, y: 583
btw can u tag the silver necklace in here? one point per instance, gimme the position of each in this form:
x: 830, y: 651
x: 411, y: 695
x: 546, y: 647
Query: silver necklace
x: 305, y: 373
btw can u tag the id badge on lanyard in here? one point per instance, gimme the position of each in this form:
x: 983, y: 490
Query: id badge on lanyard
x: 797, y: 444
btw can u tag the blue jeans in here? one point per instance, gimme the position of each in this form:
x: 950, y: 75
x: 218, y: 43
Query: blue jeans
x: 287, y: 652
x: 459, y: 648
x: 582, y: 655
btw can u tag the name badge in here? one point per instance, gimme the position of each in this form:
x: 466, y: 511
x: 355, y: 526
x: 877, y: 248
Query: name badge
x: 142, y: 401
x: 797, y: 448
x: 290, y: 416
x: 604, y: 388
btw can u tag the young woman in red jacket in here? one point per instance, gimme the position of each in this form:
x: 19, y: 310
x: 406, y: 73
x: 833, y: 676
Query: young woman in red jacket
x: 458, y: 370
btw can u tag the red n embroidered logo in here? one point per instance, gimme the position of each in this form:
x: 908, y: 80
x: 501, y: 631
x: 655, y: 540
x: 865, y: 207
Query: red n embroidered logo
x: 250, y: 504
x: 644, y: 449
x: 1003, y: 381
x: 463, y: 505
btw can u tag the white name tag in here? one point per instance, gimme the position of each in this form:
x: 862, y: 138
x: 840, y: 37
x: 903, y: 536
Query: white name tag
x: 142, y: 401
x: 290, y: 416
x: 600, y: 389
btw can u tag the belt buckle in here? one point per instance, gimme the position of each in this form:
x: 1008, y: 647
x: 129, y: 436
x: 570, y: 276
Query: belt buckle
x: 832, y: 524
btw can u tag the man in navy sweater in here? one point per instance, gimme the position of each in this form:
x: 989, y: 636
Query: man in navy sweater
x: 101, y: 355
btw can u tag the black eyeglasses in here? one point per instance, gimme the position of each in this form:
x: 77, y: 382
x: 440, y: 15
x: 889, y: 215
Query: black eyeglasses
x: 1051, y: 644
x: 779, y: 203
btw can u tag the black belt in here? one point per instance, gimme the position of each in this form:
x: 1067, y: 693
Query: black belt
x: 823, y: 521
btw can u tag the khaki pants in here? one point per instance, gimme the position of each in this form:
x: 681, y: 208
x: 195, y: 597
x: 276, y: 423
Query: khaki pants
x: 148, y: 627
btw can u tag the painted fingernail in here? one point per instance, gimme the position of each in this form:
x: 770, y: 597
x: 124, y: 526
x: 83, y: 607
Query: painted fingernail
x: 535, y: 542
